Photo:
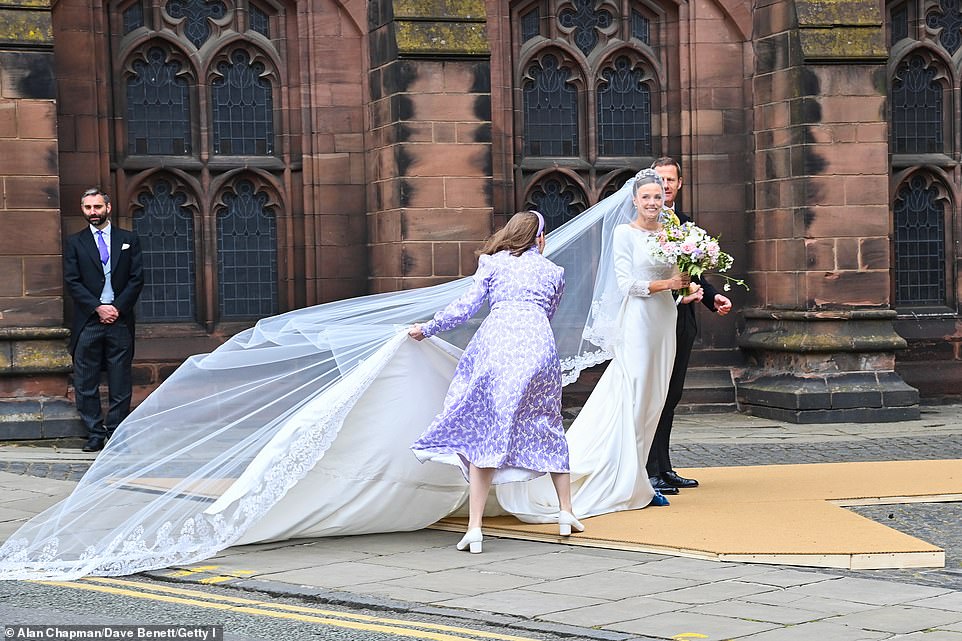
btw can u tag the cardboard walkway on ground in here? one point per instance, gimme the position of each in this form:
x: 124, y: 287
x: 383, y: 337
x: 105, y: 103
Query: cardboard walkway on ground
x: 781, y: 514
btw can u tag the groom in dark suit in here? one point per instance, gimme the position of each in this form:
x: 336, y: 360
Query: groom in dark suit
x: 103, y: 273
x: 660, y: 473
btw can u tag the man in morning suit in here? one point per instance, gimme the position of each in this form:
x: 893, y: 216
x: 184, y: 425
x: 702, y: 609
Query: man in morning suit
x: 103, y: 273
x: 663, y: 478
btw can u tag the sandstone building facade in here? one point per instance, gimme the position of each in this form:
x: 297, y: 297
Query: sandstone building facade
x: 274, y: 154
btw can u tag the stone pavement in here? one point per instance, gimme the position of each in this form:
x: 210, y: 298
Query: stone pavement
x: 589, y: 593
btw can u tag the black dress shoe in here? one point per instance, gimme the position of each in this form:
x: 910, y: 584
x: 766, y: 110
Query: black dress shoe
x: 672, y: 479
x: 93, y: 444
x: 661, y: 486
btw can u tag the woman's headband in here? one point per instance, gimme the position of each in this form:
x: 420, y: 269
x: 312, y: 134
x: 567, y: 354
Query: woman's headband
x: 540, y: 222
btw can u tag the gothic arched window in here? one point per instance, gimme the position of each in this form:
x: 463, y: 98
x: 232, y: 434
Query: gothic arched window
x: 589, y: 98
x: 920, y: 244
x: 165, y: 225
x: 246, y: 248
x: 924, y: 84
x: 624, y: 111
x: 199, y: 82
x: 158, y: 106
x: 550, y: 110
x: 917, y: 109
x: 243, y: 107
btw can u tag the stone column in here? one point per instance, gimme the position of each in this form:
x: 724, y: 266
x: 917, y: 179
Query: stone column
x: 821, y: 344
x: 430, y: 152
x: 34, y: 363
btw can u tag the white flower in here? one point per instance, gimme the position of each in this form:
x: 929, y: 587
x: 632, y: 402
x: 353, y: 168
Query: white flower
x: 727, y: 286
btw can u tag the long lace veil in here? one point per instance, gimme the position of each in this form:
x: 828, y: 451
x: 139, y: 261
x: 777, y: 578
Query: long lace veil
x: 298, y: 426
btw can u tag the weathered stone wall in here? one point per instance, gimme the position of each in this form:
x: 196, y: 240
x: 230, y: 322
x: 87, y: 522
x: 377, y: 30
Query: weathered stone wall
x: 430, y: 161
x: 331, y: 103
x: 821, y: 343
x: 33, y: 358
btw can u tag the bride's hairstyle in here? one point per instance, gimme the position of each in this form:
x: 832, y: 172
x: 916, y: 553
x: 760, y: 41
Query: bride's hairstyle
x: 517, y: 236
x: 647, y: 177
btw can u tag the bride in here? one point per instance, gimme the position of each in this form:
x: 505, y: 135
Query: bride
x: 300, y: 426
x: 612, y: 434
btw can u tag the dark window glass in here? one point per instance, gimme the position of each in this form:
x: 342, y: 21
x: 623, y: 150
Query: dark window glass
x: 624, y: 112
x: 166, y: 231
x: 614, y: 185
x: 550, y: 111
x: 585, y: 21
x: 133, y: 17
x: 243, y: 108
x: 916, y: 109
x: 919, y: 245
x: 158, y: 107
x: 557, y: 201
x: 247, y: 254
x: 947, y: 19
x: 198, y: 14
x: 530, y: 24
x: 900, y: 23
x: 259, y: 22
x: 640, y: 27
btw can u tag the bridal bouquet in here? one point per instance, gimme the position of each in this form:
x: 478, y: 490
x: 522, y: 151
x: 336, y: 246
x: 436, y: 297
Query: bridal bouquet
x: 694, y: 251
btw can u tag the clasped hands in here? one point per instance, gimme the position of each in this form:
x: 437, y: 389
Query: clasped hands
x: 107, y: 313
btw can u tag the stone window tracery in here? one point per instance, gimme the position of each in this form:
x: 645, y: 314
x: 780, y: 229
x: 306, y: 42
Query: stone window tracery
x: 920, y: 243
x: 924, y: 68
x: 164, y: 221
x: 200, y: 94
x: 588, y: 97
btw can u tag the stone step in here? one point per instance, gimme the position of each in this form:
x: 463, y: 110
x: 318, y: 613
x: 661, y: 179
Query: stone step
x: 707, y: 389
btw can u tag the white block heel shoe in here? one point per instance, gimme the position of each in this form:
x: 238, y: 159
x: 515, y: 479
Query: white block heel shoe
x: 567, y: 521
x: 471, y: 541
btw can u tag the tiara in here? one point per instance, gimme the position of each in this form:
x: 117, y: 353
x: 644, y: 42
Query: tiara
x: 649, y: 173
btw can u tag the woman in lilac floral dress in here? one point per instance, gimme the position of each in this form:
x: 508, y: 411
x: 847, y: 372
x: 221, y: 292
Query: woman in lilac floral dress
x: 501, y: 420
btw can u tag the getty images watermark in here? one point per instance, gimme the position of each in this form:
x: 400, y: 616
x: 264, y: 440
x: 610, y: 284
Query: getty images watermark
x: 132, y: 632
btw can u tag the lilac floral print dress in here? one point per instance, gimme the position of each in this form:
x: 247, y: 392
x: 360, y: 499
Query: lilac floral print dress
x: 503, y: 408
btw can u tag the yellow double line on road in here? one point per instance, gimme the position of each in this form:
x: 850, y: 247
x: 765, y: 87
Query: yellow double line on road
x: 303, y: 614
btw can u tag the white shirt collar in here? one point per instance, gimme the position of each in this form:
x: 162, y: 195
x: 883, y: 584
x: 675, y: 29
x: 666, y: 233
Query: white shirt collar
x: 105, y: 230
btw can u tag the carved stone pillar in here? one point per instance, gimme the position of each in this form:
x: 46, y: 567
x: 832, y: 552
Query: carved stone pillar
x: 430, y: 154
x: 34, y: 363
x: 821, y: 343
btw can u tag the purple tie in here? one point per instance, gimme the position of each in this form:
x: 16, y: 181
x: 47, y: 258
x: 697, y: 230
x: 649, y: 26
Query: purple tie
x: 102, y: 246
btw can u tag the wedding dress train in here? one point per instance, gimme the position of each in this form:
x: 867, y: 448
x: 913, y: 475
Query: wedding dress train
x: 300, y: 426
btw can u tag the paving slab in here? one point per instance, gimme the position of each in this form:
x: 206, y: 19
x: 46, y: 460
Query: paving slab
x: 689, y: 625
x: 782, y: 614
x: 899, y: 619
x: 614, y: 584
x: 868, y: 591
x: 607, y: 614
x: 820, y: 631
x: 465, y: 581
x: 527, y: 603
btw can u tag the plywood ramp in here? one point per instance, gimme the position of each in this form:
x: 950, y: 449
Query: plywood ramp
x: 781, y: 514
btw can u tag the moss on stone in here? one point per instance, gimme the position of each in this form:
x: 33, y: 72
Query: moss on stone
x: 829, y: 13
x: 441, y: 38
x: 25, y: 26
x: 443, y: 9
x: 843, y: 43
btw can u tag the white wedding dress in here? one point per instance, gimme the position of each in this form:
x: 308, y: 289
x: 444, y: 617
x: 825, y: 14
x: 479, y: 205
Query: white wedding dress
x: 300, y: 426
x: 612, y: 434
